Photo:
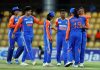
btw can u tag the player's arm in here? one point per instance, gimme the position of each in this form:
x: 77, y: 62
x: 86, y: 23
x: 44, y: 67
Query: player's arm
x: 38, y: 21
x: 87, y: 21
x: 48, y: 31
x: 68, y: 31
x: 11, y: 22
x: 56, y: 24
x: 53, y: 28
x: 18, y: 24
x: 87, y: 26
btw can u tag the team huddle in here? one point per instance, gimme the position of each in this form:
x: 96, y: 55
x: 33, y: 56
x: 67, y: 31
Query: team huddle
x: 70, y: 36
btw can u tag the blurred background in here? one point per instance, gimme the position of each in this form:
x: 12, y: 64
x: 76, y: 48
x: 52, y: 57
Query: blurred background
x: 92, y: 8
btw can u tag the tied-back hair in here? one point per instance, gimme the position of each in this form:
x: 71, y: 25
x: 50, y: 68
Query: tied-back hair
x: 81, y: 8
x: 62, y: 10
x: 27, y: 8
x: 48, y: 17
x: 76, y: 13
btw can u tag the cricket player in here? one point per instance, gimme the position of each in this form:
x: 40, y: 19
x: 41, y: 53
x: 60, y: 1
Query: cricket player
x: 74, y: 36
x: 48, y: 39
x: 11, y: 25
x: 85, y: 20
x: 61, y: 24
x: 27, y: 21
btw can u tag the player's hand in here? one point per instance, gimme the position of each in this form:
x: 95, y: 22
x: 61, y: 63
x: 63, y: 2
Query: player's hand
x: 54, y: 28
x: 84, y: 27
x: 13, y: 35
x: 50, y: 40
x: 80, y: 26
x: 66, y: 39
x: 20, y: 26
x: 41, y: 16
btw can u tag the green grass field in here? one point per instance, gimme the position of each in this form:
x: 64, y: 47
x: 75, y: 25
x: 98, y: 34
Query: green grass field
x: 38, y: 66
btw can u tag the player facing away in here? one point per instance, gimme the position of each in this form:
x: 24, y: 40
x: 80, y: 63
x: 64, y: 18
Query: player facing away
x: 27, y: 21
x: 48, y: 39
x: 61, y: 24
x: 85, y: 20
x: 11, y: 25
x: 74, y: 37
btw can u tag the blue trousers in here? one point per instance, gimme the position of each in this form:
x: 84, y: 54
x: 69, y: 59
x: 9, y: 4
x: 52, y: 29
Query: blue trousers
x: 47, y: 50
x: 12, y: 41
x: 83, y: 46
x: 61, y: 44
x: 74, y: 47
x: 28, y: 50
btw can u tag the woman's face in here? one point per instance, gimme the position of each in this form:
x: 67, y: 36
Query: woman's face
x: 81, y: 11
x: 51, y: 18
x: 63, y: 14
x: 29, y: 12
x: 16, y: 12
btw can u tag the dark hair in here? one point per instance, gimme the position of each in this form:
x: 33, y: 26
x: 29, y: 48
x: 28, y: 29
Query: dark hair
x: 62, y: 10
x: 48, y: 17
x: 27, y: 8
x: 81, y: 8
x: 12, y: 12
x: 76, y: 13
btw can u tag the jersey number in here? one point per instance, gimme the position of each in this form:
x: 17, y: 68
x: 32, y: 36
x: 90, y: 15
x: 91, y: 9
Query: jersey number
x: 77, y: 25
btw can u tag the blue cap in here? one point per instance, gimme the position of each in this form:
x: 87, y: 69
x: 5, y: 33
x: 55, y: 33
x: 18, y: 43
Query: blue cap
x: 72, y: 10
x: 52, y: 13
x: 15, y: 8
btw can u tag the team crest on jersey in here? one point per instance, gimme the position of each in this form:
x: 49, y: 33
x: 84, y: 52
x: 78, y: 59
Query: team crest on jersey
x: 25, y: 19
x: 59, y: 22
x: 16, y: 19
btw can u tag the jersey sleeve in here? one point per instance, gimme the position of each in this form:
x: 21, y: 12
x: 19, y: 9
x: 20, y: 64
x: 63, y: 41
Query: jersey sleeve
x: 47, y: 29
x: 68, y: 30
x: 87, y: 23
x: 56, y: 22
x: 87, y: 16
x: 36, y: 20
x: 11, y: 22
x: 18, y: 24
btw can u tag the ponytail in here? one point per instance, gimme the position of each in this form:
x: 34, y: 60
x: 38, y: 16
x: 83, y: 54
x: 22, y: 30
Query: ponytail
x: 48, y: 17
x: 76, y: 13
